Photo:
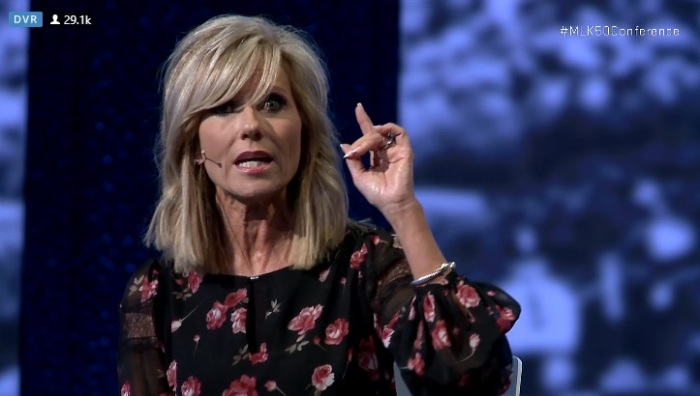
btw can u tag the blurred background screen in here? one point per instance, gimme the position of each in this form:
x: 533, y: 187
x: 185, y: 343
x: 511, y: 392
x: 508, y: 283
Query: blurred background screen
x: 565, y: 137
x: 13, y: 112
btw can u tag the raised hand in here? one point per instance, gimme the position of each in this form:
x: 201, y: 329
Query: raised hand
x: 388, y: 182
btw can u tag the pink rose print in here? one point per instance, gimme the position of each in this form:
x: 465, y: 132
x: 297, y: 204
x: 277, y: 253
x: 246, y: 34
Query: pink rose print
x: 429, y: 307
x: 367, y: 358
x: 216, y: 316
x: 467, y: 295
x: 358, y: 257
x: 324, y: 274
x: 171, y: 374
x: 336, y: 331
x: 238, y: 318
x: 440, y: 281
x: 126, y: 389
x: 233, y: 299
x: 505, y: 320
x: 194, y: 279
x: 412, y: 311
x: 306, y: 320
x: 507, y: 314
x: 270, y: 386
x: 196, y: 342
x: 260, y: 356
x: 323, y: 377
x: 241, y: 387
x: 388, y: 330
x: 465, y: 379
x: 417, y: 364
x: 191, y: 387
x: 440, y: 335
x: 148, y: 289
x: 474, y: 340
x: 418, y: 342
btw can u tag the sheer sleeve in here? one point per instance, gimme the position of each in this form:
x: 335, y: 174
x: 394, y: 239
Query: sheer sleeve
x: 447, y: 337
x: 141, y: 364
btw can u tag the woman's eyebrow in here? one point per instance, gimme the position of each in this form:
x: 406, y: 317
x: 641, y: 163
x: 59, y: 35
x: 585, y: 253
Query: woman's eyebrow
x: 279, y: 88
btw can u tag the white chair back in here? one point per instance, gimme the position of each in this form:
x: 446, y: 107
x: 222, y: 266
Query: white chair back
x: 515, y: 378
x: 514, y: 389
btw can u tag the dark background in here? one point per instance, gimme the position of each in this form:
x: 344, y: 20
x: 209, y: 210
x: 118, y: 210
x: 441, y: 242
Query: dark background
x: 91, y: 181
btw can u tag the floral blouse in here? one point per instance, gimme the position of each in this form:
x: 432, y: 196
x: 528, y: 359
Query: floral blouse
x: 335, y: 329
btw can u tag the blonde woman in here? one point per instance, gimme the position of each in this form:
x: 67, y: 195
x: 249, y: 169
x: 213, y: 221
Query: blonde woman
x: 264, y: 285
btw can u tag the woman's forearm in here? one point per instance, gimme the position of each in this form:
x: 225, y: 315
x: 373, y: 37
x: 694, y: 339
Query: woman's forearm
x: 413, y: 232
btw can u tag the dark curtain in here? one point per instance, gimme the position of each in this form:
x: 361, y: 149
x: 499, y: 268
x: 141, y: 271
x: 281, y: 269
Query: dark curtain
x: 91, y: 179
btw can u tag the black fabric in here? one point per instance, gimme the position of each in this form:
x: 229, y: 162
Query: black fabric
x: 314, y: 331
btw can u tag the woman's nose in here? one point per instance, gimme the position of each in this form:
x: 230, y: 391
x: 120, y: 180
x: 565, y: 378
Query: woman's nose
x: 249, y: 123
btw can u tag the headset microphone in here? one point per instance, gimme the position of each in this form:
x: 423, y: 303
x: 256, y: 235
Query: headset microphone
x: 200, y: 161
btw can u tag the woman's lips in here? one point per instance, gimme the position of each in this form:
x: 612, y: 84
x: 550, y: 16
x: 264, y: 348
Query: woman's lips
x: 253, y: 166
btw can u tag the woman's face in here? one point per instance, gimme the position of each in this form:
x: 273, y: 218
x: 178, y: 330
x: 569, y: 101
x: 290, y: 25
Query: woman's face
x: 257, y: 144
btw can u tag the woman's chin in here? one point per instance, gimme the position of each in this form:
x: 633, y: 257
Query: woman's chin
x: 256, y: 196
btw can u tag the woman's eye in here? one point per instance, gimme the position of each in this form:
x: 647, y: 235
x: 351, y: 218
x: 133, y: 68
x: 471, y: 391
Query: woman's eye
x: 224, y: 109
x: 274, y: 103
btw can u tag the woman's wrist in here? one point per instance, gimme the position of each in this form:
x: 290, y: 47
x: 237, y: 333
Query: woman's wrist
x: 397, y: 212
x: 415, y: 237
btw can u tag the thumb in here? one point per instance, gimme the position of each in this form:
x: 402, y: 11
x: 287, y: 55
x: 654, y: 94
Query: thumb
x: 354, y: 164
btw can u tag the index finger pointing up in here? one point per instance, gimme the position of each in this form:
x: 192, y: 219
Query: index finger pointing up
x: 363, y: 119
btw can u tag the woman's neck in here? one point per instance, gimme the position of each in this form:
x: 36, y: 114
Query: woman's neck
x: 259, y: 235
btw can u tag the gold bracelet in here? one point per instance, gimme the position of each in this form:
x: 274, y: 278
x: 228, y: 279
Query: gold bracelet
x: 427, y: 278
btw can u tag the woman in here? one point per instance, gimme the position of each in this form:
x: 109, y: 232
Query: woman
x: 264, y: 285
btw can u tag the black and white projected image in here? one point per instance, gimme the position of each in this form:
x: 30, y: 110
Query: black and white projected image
x: 565, y: 137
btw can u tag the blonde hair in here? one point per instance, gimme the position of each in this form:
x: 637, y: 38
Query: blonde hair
x: 207, y: 68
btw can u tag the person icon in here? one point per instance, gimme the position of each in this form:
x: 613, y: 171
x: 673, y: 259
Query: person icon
x: 55, y: 20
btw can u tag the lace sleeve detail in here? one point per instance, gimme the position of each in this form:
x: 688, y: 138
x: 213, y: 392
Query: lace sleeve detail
x: 141, y: 365
x: 445, y: 337
x: 393, y: 289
